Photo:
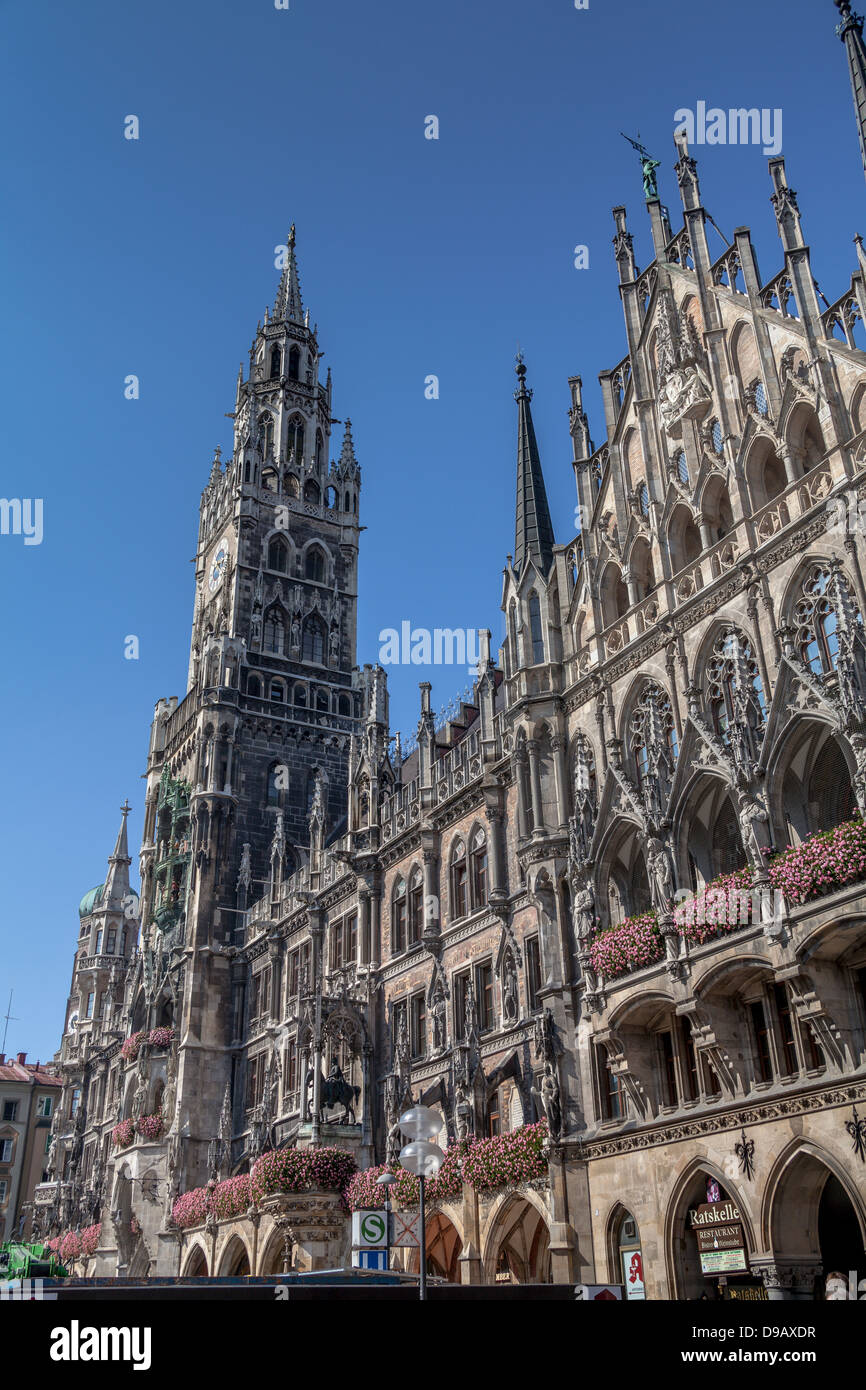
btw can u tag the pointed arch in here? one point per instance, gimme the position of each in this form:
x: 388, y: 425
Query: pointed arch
x: 683, y: 537
x: 764, y: 471
x: 613, y: 594
x: 680, y: 1257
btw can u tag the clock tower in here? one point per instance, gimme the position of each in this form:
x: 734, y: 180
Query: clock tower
x: 273, y: 697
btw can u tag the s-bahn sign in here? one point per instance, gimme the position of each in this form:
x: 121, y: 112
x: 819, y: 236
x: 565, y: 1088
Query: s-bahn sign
x: 368, y: 1230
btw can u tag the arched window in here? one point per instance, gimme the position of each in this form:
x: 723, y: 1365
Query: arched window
x: 512, y: 635
x: 323, y: 703
x: 653, y: 737
x: 727, y: 844
x: 266, y: 425
x: 314, y: 640
x: 311, y: 491
x: 682, y: 468
x: 332, y: 498
x: 278, y: 555
x: 684, y: 538
x: 314, y: 564
x: 278, y: 691
x: 344, y: 705
x: 348, y: 503
x: 275, y: 632
x: 276, y: 363
x: 479, y: 869
x: 416, y: 906
x: 398, y: 917
x: 760, y: 397
x: 614, y: 595
x: 643, y: 499
x: 294, y: 364
x: 535, y: 632
x: 291, y: 486
x: 716, y: 437
x: 254, y: 687
x: 295, y: 439
x: 816, y: 622
x: 734, y: 688
x: 300, y: 697
x: 459, y: 882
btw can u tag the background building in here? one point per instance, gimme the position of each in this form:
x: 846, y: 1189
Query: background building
x: 29, y: 1092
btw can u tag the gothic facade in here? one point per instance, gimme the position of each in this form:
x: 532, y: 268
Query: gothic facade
x: 495, y: 920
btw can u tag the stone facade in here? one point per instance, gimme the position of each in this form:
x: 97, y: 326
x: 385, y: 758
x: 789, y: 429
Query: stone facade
x: 333, y: 922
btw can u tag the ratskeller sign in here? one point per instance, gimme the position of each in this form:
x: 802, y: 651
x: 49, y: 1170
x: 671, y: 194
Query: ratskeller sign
x: 721, y: 1243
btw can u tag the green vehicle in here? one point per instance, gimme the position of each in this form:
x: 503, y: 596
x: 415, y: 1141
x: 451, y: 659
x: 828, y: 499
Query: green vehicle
x: 20, y: 1261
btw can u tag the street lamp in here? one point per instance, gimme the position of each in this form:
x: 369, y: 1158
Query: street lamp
x: 387, y: 1180
x: 424, y: 1158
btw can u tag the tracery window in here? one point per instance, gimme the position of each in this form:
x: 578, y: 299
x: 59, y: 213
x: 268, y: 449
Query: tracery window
x: 535, y: 631
x: 734, y: 683
x: 295, y: 439
x: 653, y: 735
x: 275, y: 632
x: 816, y: 623
x: 266, y: 424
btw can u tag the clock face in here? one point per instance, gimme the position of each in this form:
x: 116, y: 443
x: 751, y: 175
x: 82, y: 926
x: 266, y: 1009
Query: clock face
x: 218, y: 565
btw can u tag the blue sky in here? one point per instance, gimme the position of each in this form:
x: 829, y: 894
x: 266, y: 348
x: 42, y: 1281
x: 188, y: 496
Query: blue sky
x: 155, y: 257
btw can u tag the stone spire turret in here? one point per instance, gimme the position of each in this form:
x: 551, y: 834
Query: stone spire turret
x: 288, y: 303
x: 116, y: 889
x: 850, y: 31
x: 533, y: 536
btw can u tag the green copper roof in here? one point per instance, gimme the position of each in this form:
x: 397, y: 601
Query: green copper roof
x: 90, y: 900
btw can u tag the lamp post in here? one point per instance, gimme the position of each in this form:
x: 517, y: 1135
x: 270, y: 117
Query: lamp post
x: 387, y: 1181
x: 424, y: 1158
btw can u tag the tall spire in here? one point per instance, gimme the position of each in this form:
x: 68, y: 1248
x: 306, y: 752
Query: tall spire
x: 288, y: 303
x: 533, y: 537
x: 117, y: 884
x: 850, y: 31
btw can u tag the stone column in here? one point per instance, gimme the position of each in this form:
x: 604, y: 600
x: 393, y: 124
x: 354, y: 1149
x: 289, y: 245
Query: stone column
x: 469, y: 1261
x: 706, y: 533
x: 522, y: 819
x: 375, y: 928
x: 535, y: 785
x: 364, y: 933
x: 562, y: 1243
x: 561, y: 779
x: 432, y: 896
x: 498, y: 888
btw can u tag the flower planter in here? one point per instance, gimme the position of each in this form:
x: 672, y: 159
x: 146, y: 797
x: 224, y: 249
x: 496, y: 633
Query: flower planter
x: 123, y: 1134
x: 506, y: 1160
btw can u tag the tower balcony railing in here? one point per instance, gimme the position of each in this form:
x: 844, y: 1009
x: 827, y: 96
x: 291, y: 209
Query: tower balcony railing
x: 105, y: 961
